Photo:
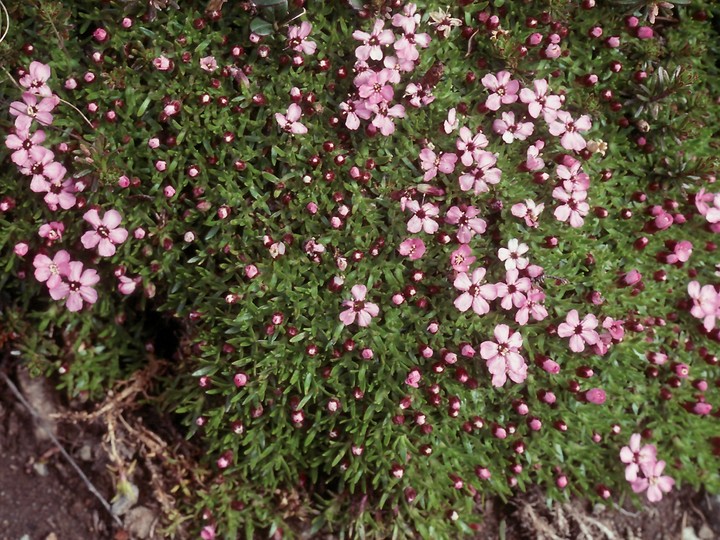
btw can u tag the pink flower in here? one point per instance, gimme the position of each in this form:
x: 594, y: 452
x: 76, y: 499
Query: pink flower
x: 513, y: 290
x: 502, y: 356
x: 374, y: 87
x: 462, y: 258
x: 413, y: 378
x: 52, y: 231
x: 162, y: 63
x: 470, y: 145
x: 408, y: 20
x: 127, y: 285
x: 485, y: 173
x: 451, y: 124
x: 77, y: 288
x: 564, y: 125
x: 289, y: 122
x: 384, y: 115
x: 406, y: 46
x: 532, y: 305
x: 208, y: 532
x: 373, y: 42
x: 654, y: 482
x: 534, y: 160
x: 35, y: 80
x: 50, y: 271
x: 579, y: 332
x: 422, y: 219
x: 358, y: 308
x: 574, y: 208
x: 412, y: 248
x: 615, y: 327
x: 22, y: 142
x: 504, y: 91
x: 529, y: 211
x: 431, y: 163
x: 596, y: 396
x: 469, y: 224
x: 539, y: 101
x: 297, y: 38
x: 636, y: 457
x: 30, y: 109
x: 513, y: 255
x: 476, y: 292
x: 572, y: 175
x: 681, y: 252
x: 396, y: 66
x: 107, y: 233
x: 512, y: 130
x: 208, y: 64
x: 353, y: 112
x: 419, y: 95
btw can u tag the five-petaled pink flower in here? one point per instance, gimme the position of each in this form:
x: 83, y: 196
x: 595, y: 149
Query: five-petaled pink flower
x: 502, y: 356
x: 654, y: 482
x: 208, y: 64
x: 412, y: 248
x: 30, y: 109
x: 358, y: 308
x: 289, y: 122
x: 35, y: 80
x: 422, y: 219
x: 470, y: 145
x: 476, y: 292
x: 106, y: 234
x: 50, y: 271
x: 510, y: 129
x: 462, y: 258
x: 467, y: 221
x: 636, y: 457
x: 77, y: 288
x: 373, y: 42
x: 579, y: 332
x: 504, y: 90
x: 297, y: 38
x: 432, y: 163
x: 539, y: 101
x: 564, y: 125
x: 513, y: 255
x: 483, y: 174
x: 22, y: 142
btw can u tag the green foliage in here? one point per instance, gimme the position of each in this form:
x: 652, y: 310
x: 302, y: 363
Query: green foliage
x: 195, y: 302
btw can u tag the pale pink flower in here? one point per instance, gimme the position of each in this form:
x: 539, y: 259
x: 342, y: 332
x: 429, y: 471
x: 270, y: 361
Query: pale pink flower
x: 615, y: 328
x: 374, y: 87
x: 22, y: 142
x: 476, y: 292
x: 208, y: 64
x: 384, y: 115
x: 706, y: 303
x: 30, y: 109
x: 468, y: 223
x: 373, y: 42
x: 423, y: 217
x: 77, y: 288
x: 483, y: 174
x: 35, y: 80
x: 413, y: 378
x: 534, y: 160
x: 572, y: 175
x: 596, y: 396
x: 412, y: 248
x: 532, y: 306
x: 407, y: 46
x: 512, y: 130
x: 579, y: 332
x: 539, y: 101
x: 396, y: 66
x: 529, y: 211
x: 297, y: 38
x: 107, y: 232
x: 553, y: 50
x: 408, y: 20
x: 504, y: 90
x: 502, y: 356
x: 681, y: 252
x: 162, y: 63
x: 451, y: 124
x: 418, y: 95
x: 512, y: 256
x: 513, y: 290
x: 50, y: 271
x: 353, y: 111
x: 470, y: 145
x: 289, y: 122
x: 574, y: 209
x: 462, y: 258
x: 569, y: 130
x: 358, y: 308
x: 654, y: 481
x: 127, y: 285
x: 702, y: 198
x: 52, y: 231
x: 432, y: 163
x: 208, y: 532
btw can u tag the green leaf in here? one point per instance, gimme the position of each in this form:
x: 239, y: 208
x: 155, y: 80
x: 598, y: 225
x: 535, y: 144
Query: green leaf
x: 261, y: 27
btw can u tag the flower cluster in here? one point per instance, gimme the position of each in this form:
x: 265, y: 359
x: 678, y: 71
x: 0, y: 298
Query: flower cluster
x: 644, y: 471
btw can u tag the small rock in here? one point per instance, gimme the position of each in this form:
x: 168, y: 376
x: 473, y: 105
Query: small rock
x: 139, y: 522
x: 706, y: 533
x: 688, y: 533
x: 41, y: 396
x: 85, y: 453
x: 40, y: 468
x: 51, y: 536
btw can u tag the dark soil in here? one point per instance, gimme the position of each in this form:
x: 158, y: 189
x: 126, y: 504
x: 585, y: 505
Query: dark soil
x: 40, y: 494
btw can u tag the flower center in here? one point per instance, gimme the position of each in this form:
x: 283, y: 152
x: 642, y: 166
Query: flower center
x: 32, y: 110
x: 358, y: 305
x: 37, y: 168
x: 27, y: 144
x: 74, y: 286
x: 102, y: 230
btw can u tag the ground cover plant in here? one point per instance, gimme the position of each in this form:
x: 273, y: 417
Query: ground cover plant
x: 403, y: 256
